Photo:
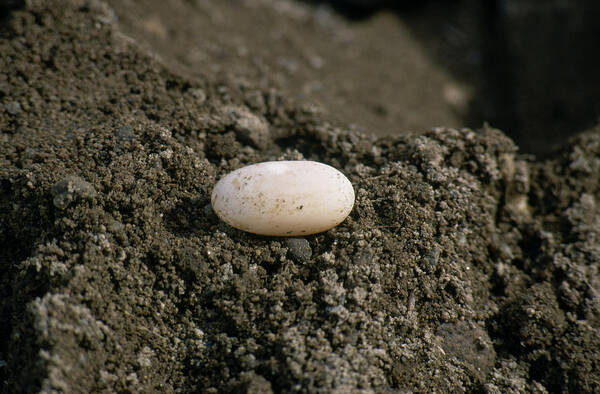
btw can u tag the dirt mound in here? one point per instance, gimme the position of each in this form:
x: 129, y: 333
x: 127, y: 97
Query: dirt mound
x: 464, y: 266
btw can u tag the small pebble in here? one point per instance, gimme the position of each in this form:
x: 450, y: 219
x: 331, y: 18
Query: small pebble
x: 283, y: 198
x: 70, y: 189
x: 299, y: 249
x: 124, y: 133
x: 12, y: 107
x: 470, y: 344
x: 199, y: 95
x: 248, y: 127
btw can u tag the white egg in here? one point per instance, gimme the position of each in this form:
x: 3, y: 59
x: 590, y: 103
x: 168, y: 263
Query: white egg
x: 283, y: 198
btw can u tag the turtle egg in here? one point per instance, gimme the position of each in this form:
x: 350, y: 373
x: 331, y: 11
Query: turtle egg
x: 283, y: 198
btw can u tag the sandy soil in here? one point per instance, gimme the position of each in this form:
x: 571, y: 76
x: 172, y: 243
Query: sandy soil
x: 464, y: 266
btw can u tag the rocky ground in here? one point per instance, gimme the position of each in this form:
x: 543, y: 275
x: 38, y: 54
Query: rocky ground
x: 464, y: 266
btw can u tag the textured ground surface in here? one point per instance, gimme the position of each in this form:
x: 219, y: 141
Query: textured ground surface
x: 463, y: 267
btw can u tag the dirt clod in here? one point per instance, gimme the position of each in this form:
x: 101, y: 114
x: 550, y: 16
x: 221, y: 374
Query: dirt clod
x: 71, y: 189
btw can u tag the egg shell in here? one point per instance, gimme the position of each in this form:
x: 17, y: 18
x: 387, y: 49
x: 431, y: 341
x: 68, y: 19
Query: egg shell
x: 283, y: 198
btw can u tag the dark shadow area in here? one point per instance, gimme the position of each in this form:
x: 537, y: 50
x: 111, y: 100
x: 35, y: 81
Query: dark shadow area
x: 360, y: 9
x: 6, y: 6
x: 532, y: 66
x: 26, y: 224
x: 189, y: 216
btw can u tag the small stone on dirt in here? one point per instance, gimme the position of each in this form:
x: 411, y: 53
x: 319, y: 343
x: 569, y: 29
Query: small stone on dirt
x: 299, y: 249
x: 124, y: 133
x: 12, y: 107
x: 70, y: 189
x: 471, y: 345
x: 248, y: 127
